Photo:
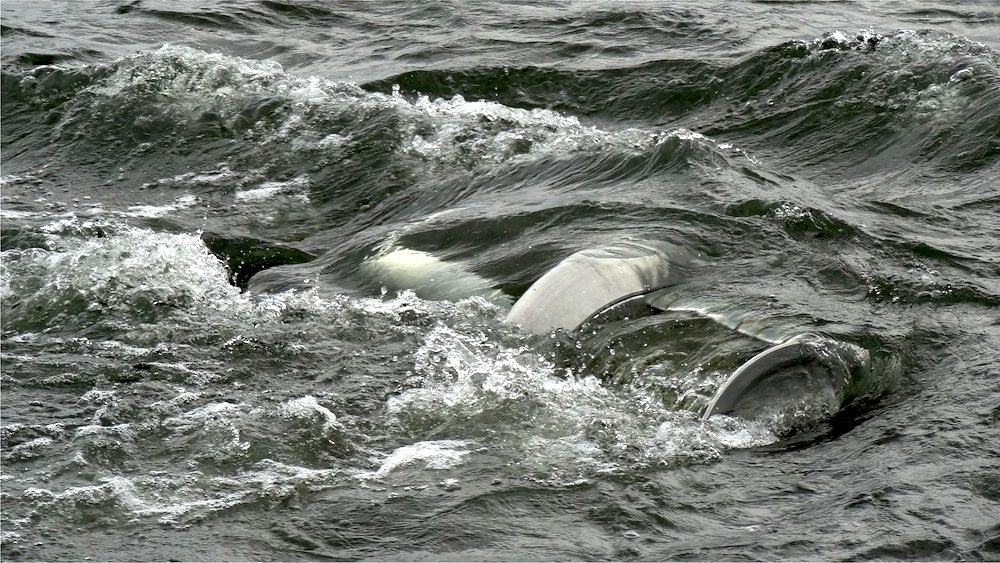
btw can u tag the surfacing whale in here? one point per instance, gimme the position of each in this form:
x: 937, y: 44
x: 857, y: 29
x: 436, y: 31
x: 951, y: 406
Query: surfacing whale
x: 591, y: 282
x: 805, y: 361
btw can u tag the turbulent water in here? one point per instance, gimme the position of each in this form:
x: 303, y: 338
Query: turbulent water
x: 202, y: 358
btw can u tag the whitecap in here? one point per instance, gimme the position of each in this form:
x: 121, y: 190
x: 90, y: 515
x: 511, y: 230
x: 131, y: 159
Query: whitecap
x: 433, y: 455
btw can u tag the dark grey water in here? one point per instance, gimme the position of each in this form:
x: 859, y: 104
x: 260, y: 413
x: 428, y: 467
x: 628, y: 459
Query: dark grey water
x: 205, y: 356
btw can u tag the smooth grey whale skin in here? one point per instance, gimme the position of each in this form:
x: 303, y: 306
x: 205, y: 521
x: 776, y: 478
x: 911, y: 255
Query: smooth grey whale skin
x: 824, y: 357
x: 589, y: 281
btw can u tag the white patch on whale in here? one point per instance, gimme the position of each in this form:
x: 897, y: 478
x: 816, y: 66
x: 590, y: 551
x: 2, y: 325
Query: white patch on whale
x: 397, y: 268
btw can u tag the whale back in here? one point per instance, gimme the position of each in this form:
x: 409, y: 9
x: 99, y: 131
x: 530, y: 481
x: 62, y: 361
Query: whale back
x: 807, y: 361
x: 591, y: 280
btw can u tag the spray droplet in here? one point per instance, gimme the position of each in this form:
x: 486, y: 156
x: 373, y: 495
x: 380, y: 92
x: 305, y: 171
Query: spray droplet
x: 383, y: 290
x: 450, y: 485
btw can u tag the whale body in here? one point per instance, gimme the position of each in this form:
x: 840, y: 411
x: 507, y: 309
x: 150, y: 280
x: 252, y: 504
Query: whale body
x: 580, y: 286
x: 428, y: 276
x: 589, y: 281
x: 808, y: 359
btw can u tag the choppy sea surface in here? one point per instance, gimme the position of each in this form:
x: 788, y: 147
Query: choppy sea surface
x: 199, y: 361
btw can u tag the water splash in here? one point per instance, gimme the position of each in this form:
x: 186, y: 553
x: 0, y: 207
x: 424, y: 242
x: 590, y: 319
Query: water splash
x: 127, y: 273
x: 560, y: 425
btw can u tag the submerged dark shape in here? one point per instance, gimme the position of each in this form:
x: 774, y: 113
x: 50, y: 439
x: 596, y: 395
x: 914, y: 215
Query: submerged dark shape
x: 245, y: 256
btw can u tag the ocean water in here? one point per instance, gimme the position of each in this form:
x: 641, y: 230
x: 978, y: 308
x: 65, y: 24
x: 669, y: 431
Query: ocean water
x: 256, y: 257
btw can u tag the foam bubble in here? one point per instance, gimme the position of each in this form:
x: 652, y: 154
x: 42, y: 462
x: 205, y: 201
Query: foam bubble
x: 27, y: 450
x: 561, y: 425
x: 473, y: 133
x: 307, y: 408
x: 186, y: 201
x: 177, y: 499
x: 270, y: 190
x: 220, y: 179
x: 434, y: 455
x: 216, y: 426
x: 135, y: 272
